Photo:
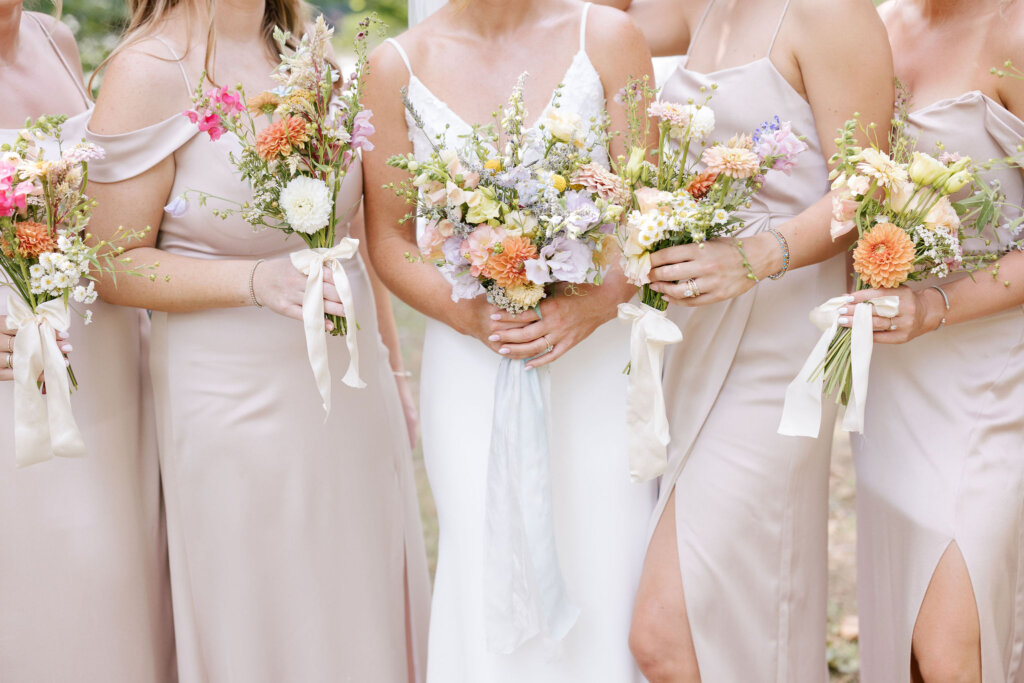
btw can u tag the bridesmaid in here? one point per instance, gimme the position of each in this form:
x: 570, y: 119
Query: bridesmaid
x: 734, y: 586
x: 295, y: 545
x: 939, y: 467
x: 84, y: 592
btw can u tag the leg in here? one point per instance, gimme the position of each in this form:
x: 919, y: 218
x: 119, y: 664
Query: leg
x: 947, y: 636
x: 660, y: 637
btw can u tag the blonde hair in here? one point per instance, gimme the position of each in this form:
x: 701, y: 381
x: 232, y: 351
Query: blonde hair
x: 147, y: 16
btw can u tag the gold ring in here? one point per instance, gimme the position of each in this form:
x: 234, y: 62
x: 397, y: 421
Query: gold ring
x: 692, y: 290
x: 550, y: 348
x: 10, y: 344
x: 10, y: 361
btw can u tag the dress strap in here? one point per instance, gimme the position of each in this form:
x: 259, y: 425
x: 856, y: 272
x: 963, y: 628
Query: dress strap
x: 778, y: 28
x: 401, y: 53
x: 700, y: 25
x: 76, y: 78
x: 583, y: 27
x: 181, y: 63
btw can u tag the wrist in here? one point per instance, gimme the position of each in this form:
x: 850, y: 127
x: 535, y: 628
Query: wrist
x: 764, y: 254
x: 934, y: 306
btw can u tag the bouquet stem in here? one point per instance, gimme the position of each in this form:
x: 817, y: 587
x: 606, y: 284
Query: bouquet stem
x: 340, y: 325
x: 655, y: 300
x: 838, y: 367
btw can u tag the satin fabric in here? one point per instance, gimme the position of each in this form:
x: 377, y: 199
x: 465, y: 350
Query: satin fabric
x: 84, y: 591
x: 751, y: 505
x: 288, y: 534
x: 941, y: 459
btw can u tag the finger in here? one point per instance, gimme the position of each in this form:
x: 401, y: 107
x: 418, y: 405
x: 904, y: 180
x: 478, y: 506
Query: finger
x: 863, y: 295
x: 557, y: 351
x: 524, y: 351
x: 525, y: 317
x: 328, y: 276
x: 881, y: 324
x: 684, y: 252
x: 679, y: 290
x: 6, y: 375
x: 332, y: 308
x: 499, y: 327
x: 521, y: 335
x: 331, y: 293
x: 673, y: 272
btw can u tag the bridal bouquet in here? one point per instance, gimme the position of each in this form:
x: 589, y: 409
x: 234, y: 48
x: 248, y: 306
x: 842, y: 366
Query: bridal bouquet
x: 511, y: 225
x: 296, y: 165
x: 689, y: 194
x: 909, y: 229
x: 43, y: 254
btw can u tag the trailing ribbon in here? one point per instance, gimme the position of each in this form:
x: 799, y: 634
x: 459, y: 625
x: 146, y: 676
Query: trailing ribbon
x: 646, y: 418
x: 43, y: 424
x: 524, y: 593
x: 311, y: 262
x: 801, y: 415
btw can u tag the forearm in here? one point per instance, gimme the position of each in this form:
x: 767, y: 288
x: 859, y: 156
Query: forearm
x: 177, y: 284
x: 993, y: 290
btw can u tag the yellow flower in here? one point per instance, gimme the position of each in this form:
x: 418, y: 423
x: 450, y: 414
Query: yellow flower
x: 558, y: 182
x: 925, y: 169
x: 493, y: 165
x: 526, y: 295
x: 482, y: 208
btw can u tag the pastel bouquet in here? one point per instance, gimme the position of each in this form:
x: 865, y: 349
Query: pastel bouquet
x: 910, y: 228
x: 296, y: 163
x: 691, y: 192
x: 511, y: 214
x: 512, y: 225
x: 47, y: 262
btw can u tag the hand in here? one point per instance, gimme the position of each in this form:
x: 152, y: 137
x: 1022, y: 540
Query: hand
x: 412, y: 418
x: 920, y: 311
x: 716, y: 268
x: 567, y: 318
x: 279, y: 286
x: 481, y: 319
x: 7, y: 349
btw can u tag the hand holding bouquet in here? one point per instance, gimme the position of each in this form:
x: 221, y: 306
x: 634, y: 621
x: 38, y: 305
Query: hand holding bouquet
x: 296, y: 166
x: 689, y: 194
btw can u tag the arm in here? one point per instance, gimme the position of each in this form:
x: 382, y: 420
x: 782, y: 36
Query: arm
x: 664, y: 23
x: 836, y: 87
x: 138, y: 90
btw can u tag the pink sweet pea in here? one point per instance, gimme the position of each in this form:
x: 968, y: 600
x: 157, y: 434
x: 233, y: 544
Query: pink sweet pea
x: 230, y: 100
x: 208, y: 121
x: 362, y: 129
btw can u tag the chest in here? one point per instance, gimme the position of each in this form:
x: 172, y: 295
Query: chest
x: 23, y: 96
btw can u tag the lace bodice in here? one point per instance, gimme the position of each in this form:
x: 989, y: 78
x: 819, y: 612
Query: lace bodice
x: 582, y: 93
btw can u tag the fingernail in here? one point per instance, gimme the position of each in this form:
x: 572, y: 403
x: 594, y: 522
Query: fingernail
x: 848, y: 298
x: 62, y: 335
x: 494, y: 337
x: 843, y: 311
x: 843, y: 321
x: 329, y: 326
x: 66, y: 348
x: 495, y: 316
x: 504, y: 352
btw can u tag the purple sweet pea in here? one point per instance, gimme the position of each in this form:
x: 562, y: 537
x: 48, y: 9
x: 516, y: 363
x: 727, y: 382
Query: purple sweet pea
x: 776, y: 139
x: 564, y: 260
x: 362, y: 129
x: 583, y: 212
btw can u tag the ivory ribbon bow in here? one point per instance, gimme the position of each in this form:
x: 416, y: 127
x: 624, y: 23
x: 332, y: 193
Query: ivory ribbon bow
x: 524, y: 593
x: 801, y: 415
x: 646, y: 419
x: 311, y: 262
x: 43, y: 424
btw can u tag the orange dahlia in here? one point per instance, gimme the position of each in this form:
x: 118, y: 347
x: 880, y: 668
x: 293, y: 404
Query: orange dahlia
x: 280, y: 137
x: 701, y: 183
x: 263, y: 103
x: 507, y: 265
x: 33, y: 239
x: 884, y: 256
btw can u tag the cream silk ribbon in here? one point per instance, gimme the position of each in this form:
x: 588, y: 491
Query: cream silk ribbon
x: 646, y: 418
x: 311, y: 262
x: 801, y: 415
x: 43, y: 424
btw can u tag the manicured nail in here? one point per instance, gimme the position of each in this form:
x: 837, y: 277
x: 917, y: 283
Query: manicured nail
x: 848, y: 298
x: 504, y: 351
x: 843, y: 321
x: 62, y: 335
x: 495, y: 316
x: 843, y: 311
x: 66, y: 348
x: 329, y: 326
x: 494, y: 337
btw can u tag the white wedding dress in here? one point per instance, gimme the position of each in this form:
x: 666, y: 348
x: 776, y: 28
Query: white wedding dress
x: 600, y: 517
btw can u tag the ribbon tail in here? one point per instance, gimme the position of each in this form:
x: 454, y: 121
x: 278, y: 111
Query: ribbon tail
x: 31, y: 424
x: 344, y: 287
x: 862, y: 341
x: 801, y: 413
x: 316, y: 340
x: 65, y: 438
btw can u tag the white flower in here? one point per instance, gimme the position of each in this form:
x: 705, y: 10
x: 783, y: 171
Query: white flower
x: 88, y: 317
x: 859, y: 185
x: 637, y: 268
x: 564, y: 126
x: 307, y: 204
x: 702, y: 122
x: 720, y: 216
x: 177, y: 207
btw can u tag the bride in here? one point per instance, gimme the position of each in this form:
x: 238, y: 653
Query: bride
x: 460, y: 65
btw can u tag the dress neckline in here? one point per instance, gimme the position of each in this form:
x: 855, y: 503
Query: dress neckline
x: 685, y: 63
x: 975, y: 94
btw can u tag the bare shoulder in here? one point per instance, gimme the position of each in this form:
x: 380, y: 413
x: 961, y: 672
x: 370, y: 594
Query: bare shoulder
x: 608, y: 28
x: 142, y: 85
x: 839, y: 23
x: 386, y: 64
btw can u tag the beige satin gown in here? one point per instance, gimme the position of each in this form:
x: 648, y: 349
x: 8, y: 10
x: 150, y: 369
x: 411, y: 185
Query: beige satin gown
x: 84, y: 591
x: 289, y: 535
x: 751, y: 505
x: 941, y: 460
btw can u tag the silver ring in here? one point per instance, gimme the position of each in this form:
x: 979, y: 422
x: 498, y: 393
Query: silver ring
x: 892, y: 325
x: 10, y: 361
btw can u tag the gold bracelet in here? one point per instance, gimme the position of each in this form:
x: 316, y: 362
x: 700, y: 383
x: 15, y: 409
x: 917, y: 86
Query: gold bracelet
x: 746, y: 264
x: 252, y: 280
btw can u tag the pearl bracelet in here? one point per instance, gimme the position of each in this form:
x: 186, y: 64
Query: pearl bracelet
x: 252, y: 289
x: 945, y: 299
x: 784, y: 245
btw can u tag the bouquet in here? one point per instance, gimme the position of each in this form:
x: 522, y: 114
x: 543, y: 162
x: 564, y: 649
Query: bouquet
x: 45, y: 257
x: 296, y: 165
x: 512, y: 225
x: 909, y: 229
x: 510, y: 214
x: 689, y: 194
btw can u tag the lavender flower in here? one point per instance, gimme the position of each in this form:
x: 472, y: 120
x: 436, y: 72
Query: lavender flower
x: 564, y: 260
x: 775, y: 139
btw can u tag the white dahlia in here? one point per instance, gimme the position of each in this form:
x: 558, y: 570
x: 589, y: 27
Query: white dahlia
x: 307, y: 204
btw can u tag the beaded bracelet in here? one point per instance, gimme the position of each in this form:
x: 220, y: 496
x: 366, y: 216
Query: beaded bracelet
x: 252, y: 289
x: 746, y: 264
x: 784, y: 245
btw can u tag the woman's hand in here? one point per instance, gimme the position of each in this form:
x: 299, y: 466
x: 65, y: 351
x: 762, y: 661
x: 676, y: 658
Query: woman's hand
x: 567, y: 318
x: 715, y: 267
x: 7, y: 349
x: 920, y: 311
x: 279, y: 286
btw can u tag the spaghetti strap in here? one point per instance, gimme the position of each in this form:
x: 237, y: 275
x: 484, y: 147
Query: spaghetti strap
x: 583, y: 28
x: 778, y: 28
x: 181, y: 64
x: 60, y: 55
x: 401, y: 53
x: 700, y: 25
